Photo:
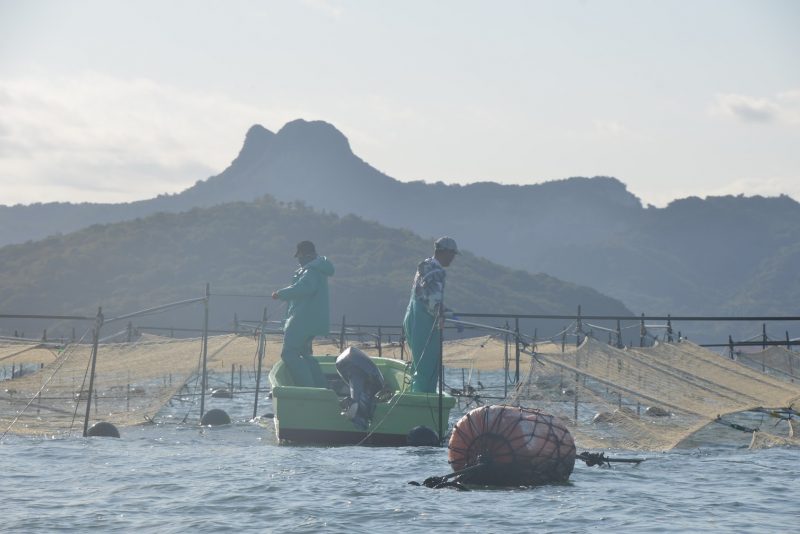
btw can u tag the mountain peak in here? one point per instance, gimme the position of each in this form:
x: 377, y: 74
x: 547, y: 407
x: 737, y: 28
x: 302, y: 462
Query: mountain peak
x: 256, y: 133
x: 317, y: 136
x: 256, y: 142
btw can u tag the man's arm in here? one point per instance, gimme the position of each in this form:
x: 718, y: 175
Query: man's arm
x: 305, y: 286
x: 433, y: 288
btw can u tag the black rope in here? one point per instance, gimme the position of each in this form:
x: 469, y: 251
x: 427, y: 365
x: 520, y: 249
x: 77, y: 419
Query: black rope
x: 599, y: 458
x: 735, y: 426
x: 445, y: 482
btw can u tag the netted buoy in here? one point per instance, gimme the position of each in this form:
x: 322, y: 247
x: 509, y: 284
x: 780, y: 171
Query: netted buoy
x: 657, y: 411
x: 520, y: 447
x: 215, y: 417
x: 422, y: 436
x: 103, y: 429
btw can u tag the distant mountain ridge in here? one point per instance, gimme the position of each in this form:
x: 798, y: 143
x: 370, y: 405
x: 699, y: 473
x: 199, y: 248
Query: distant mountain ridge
x: 718, y: 255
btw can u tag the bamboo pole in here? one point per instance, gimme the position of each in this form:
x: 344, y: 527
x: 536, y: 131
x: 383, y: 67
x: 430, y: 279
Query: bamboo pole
x: 505, y: 362
x: 441, y: 372
x: 516, y: 357
x: 342, y: 334
x: 95, y: 342
x: 262, y: 342
x: 204, y: 380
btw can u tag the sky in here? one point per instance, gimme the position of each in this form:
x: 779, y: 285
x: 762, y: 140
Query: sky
x: 112, y: 101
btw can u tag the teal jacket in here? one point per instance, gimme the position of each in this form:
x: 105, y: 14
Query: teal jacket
x: 308, y: 313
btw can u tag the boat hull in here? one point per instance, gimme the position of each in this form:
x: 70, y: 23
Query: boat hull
x: 313, y: 415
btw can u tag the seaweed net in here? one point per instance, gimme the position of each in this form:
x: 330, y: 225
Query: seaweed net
x: 654, y: 398
x: 45, y: 388
x: 776, y: 361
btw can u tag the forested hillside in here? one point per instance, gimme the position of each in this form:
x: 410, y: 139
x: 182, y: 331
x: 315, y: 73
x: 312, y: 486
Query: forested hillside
x: 247, y: 248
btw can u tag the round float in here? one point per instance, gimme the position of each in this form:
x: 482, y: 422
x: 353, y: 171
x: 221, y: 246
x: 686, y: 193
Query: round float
x: 422, y: 436
x: 215, y: 417
x: 520, y: 447
x: 104, y: 430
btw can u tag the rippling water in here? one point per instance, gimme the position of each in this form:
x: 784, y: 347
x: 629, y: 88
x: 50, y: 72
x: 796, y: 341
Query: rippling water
x: 174, y: 478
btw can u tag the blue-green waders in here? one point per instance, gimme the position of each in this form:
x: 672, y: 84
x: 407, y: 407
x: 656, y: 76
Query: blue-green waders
x: 296, y: 355
x: 423, y: 337
x: 307, y: 316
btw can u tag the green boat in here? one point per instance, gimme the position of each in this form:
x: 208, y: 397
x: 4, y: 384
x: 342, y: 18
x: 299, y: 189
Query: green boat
x: 314, y: 415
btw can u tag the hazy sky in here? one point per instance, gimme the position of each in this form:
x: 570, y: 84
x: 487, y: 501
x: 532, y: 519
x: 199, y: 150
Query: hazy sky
x: 113, y: 100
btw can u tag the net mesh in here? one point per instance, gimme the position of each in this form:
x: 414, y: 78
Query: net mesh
x: 652, y: 398
x: 775, y: 361
x: 133, y: 381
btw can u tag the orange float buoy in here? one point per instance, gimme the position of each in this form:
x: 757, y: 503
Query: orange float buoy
x: 520, y: 447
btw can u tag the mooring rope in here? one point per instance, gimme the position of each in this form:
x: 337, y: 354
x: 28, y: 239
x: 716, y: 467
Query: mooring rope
x: 591, y: 459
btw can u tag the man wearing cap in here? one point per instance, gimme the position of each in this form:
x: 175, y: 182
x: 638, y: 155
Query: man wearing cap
x: 424, y: 307
x: 307, y: 314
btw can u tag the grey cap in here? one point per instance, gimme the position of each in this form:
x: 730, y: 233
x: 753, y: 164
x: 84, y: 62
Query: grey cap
x: 446, y: 243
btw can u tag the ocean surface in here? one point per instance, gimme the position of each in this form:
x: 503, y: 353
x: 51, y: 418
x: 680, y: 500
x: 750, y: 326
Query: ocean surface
x: 173, y: 477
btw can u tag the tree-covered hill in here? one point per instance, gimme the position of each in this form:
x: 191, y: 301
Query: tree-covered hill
x: 247, y: 248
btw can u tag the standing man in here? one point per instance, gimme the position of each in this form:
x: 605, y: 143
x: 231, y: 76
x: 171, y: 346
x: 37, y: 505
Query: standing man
x: 425, y: 306
x: 307, y: 314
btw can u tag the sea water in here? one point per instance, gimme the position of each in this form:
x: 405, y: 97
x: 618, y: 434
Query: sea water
x: 178, y: 477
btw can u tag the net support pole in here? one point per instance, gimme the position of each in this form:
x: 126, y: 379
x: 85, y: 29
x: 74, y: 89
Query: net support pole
x: 342, y: 333
x: 95, y: 341
x: 262, y: 341
x: 516, y: 356
x: 642, y: 332
x: 441, y: 372
x: 577, y: 385
x: 669, y: 328
x: 204, y: 380
x: 380, y: 348
x: 505, y: 362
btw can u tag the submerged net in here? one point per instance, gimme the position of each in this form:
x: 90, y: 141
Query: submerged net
x: 652, y: 398
x: 133, y: 381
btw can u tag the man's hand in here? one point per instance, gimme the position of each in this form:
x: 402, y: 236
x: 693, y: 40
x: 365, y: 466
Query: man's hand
x: 274, y: 295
